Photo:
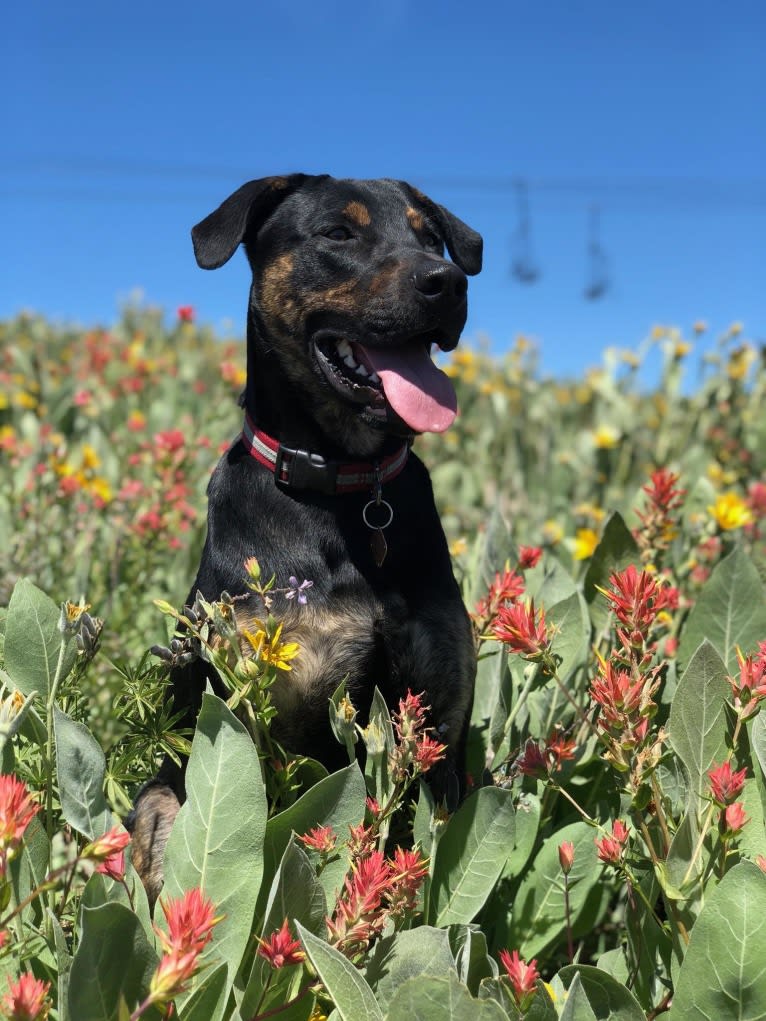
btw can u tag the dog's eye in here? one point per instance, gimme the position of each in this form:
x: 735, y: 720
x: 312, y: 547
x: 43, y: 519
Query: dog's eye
x: 338, y: 234
x: 430, y: 240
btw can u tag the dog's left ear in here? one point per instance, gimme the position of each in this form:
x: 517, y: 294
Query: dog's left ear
x: 217, y: 237
x: 463, y: 244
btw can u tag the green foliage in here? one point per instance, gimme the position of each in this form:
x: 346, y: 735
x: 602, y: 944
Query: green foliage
x: 594, y: 736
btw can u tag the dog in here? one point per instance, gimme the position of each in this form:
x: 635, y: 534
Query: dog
x: 350, y: 292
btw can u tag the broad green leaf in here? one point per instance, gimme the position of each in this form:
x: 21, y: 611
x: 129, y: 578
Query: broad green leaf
x: 615, y: 551
x: 338, y: 802
x: 757, y: 732
x: 752, y: 840
x: 499, y: 990
x: 30, y: 866
x: 472, y: 961
x: 420, y: 951
x: 697, y: 727
x: 34, y: 647
x: 729, y: 612
x: 527, y: 824
x: 723, y: 974
x: 609, y: 999
x: 491, y: 678
x: 217, y: 839
x: 295, y: 893
x: 113, y: 960
x: 441, y: 999
x: 577, y: 1007
x: 571, y: 641
x: 81, y: 767
x: 538, y: 907
x: 471, y: 855
x: 549, y: 583
x: 209, y: 1000
x: 353, y: 998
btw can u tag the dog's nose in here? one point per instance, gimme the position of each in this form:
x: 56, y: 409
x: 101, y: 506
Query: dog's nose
x: 441, y: 282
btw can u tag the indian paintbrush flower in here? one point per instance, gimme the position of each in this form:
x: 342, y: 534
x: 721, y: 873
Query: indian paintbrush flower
x: 280, y: 949
x: 610, y: 849
x: 724, y: 784
x: 17, y: 809
x: 523, y: 630
x: 523, y: 977
x: 733, y: 819
x: 566, y: 856
x: 26, y: 999
x: 190, y: 920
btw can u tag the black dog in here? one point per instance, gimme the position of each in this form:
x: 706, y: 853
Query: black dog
x: 350, y: 291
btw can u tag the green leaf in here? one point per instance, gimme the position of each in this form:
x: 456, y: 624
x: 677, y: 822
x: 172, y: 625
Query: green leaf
x: 615, y: 551
x: 441, y: 999
x: 295, y: 893
x: 408, y: 954
x: 472, y: 961
x: 217, y: 839
x: 729, y: 612
x: 609, y: 999
x: 208, y: 1002
x: 471, y: 854
x: 353, y: 998
x: 63, y: 966
x: 539, y: 909
x: 577, y: 1007
x: 722, y: 975
x: 757, y: 733
x: 30, y: 866
x: 697, y: 726
x: 113, y: 960
x: 499, y: 990
x: 336, y: 801
x: 571, y: 642
x: 34, y: 646
x: 81, y: 767
x: 527, y: 824
x: 378, y: 738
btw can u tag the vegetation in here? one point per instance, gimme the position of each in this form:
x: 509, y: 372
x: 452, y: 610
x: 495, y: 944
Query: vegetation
x: 609, y: 861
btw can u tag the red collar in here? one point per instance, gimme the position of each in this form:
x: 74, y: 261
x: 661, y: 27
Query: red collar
x: 301, y: 469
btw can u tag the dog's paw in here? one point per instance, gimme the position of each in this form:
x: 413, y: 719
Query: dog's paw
x: 149, y: 824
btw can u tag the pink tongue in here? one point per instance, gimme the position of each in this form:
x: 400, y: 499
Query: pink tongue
x: 418, y: 392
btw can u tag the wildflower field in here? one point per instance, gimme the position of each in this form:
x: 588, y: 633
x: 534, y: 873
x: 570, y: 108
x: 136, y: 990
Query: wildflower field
x: 609, y: 861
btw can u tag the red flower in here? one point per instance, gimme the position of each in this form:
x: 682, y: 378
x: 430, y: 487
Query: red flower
x: 734, y: 819
x: 104, y: 847
x: 751, y: 686
x: 522, y: 630
x: 428, y: 752
x: 320, y: 838
x: 358, y: 916
x: 610, y: 849
x: 533, y: 761
x: 190, y: 920
x: 523, y: 977
x: 280, y: 950
x: 559, y: 748
x: 408, y: 870
x: 566, y: 856
x: 169, y: 441
x: 26, y: 999
x: 662, y: 492
x: 186, y: 314
x: 506, y: 588
x: 636, y: 599
x: 411, y: 716
x: 17, y: 809
x: 529, y: 556
x: 724, y: 784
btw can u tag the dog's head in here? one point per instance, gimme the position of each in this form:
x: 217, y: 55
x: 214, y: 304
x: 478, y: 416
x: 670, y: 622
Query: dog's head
x: 351, y: 289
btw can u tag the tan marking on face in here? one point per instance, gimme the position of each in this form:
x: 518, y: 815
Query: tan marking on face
x: 275, y: 295
x: 415, y: 218
x: 358, y: 213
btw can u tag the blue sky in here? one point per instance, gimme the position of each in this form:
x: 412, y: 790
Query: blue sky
x: 126, y: 124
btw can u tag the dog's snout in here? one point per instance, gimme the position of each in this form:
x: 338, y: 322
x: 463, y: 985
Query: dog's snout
x: 441, y: 282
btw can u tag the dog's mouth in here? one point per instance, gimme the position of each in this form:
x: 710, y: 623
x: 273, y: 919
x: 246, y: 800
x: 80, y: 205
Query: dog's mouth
x: 401, y: 378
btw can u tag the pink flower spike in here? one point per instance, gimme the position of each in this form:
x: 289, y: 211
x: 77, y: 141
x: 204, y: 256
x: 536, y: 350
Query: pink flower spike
x: 724, y: 784
x: 321, y: 838
x: 566, y: 856
x: 26, y: 999
x: 280, y: 949
x: 106, y: 846
x: 610, y: 849
x: 17, y: 809
x: 523, y: 977
x: 113, y: 866
x: 522, y: 629
x: 734, y: 819
x: 529, y: 556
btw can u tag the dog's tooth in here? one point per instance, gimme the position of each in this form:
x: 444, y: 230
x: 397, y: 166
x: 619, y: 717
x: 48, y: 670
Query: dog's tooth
x: 344, y: 348
x: 348, y: 360
x: 374, y: 377
x: 362, y: 371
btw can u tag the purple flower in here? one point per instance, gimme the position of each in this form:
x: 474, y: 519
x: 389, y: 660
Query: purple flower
x: 298, y: 590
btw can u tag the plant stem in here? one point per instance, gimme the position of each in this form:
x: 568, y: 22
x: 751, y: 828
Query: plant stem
x: 570, y: 947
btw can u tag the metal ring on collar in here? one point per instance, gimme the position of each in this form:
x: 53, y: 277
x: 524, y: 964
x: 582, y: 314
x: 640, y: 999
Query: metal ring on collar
x: 373, y: 503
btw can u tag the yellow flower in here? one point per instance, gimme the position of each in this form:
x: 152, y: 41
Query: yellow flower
x: 700, y: 326
x: 730, y: 511
x: 22, y: 399
x: 735, y: 329
x: 658, y: 332
x: 100, y: 487
x: 552, y: 532
x: 317, y: 1015
x: 271, y: 650
x: 606, y: 437
x: 740, y: 361
x: 590, y: 510
x: 585, y: 543
x: 681, y: 348
x: 90, y: 458
x: 458, y: 547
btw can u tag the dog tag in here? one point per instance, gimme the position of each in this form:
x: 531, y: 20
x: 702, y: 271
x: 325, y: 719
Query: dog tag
x: 378, y: 546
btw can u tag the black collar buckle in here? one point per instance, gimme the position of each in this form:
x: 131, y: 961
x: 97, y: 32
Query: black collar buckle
x: 300, y: 469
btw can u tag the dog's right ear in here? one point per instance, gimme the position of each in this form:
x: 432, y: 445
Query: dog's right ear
x: 217, y: 237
